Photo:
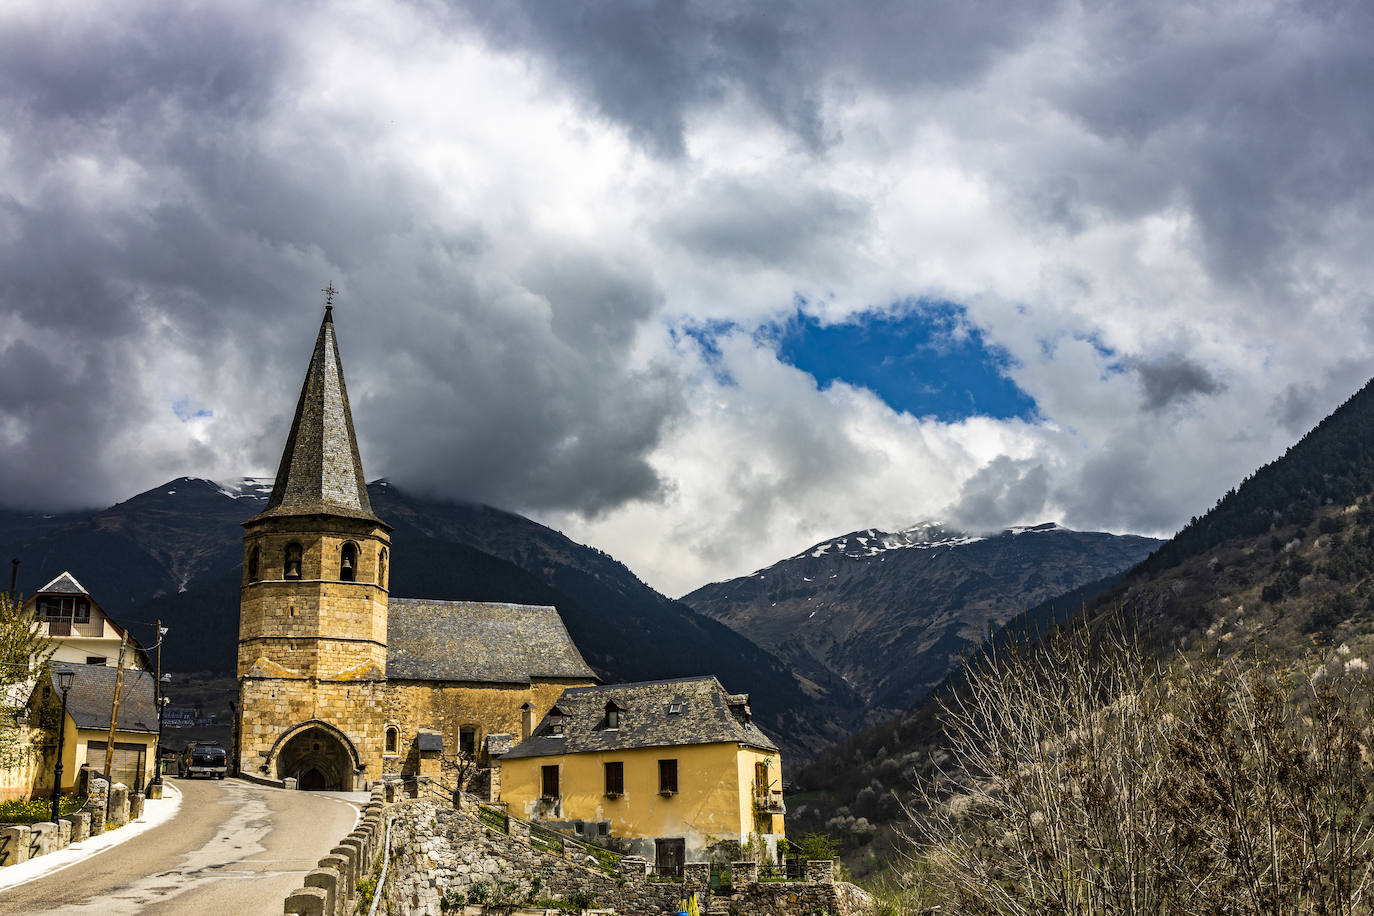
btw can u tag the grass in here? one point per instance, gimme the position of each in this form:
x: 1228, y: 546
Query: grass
x: 36, y: 810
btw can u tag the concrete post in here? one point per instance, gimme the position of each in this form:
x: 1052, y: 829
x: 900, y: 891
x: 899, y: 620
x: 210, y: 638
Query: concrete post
x: 136, y: 806
x: 350, y: 872
x: 306, y: 901
x: 119, y: 805
x: 361, y: 867
x: 81, y: 825
x: 42, y: 839
x: 97, y: 820
x: 289, y: 783
x: 14, y: 845
x: 155, y: 791
x: 327, y: 879
x: 64, y: 833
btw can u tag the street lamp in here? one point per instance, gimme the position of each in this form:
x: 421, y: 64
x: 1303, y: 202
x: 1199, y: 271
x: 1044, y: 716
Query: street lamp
x: 65, y: 676
x: 161, y: 702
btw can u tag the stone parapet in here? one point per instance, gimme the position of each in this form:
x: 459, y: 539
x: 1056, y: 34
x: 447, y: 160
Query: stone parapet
x: 14, y: 845
x: 81, y: 825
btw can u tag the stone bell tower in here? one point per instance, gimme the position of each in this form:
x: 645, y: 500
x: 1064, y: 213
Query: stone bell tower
x: 313, y: 606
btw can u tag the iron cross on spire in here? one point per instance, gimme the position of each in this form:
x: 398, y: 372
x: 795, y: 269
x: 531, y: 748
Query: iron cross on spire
x: 329, y: 292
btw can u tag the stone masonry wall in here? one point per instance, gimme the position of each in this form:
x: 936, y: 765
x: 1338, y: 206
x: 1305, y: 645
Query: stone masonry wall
x: 443, y: 859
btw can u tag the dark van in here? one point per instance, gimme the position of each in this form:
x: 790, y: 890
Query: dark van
x: 203, y: 760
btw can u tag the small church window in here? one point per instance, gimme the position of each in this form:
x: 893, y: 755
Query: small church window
x: 293, y: 561
x: 381, y: 567
x: 253, y: 565
x: 348, y: 562
x: 467, y: 741
x: 393, y: 738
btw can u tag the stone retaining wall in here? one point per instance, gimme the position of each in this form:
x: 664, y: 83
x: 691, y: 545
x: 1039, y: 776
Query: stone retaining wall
x: 331, y: 889
x: 22, y: 842
x: 445, y: 861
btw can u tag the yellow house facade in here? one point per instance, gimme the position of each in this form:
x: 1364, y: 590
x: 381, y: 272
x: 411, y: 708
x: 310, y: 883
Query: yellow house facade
x: 675, y: 770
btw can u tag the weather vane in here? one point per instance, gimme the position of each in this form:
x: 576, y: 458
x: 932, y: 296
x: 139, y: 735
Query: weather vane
x: 329, y: 292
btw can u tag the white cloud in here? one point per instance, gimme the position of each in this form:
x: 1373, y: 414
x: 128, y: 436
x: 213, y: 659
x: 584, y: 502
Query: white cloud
x: 1161, y: 216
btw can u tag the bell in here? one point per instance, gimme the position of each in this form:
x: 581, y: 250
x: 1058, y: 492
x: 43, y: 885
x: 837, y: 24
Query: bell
x: 348, y: 561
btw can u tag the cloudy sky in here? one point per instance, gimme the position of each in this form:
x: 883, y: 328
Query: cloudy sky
x: 700, y: 283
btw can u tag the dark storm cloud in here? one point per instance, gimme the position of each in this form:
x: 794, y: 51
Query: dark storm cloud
x: 168, y: 237
x: 1257, y: 121
x: 1173, y: 377
x: 763, y: 221
x: 1003, y: 492
x: 648, y: 65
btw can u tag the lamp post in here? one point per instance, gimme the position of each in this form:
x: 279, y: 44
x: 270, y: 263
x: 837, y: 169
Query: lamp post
x: 65, y: 676
x: 161, y: 702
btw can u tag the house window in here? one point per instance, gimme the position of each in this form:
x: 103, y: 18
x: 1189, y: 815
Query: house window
x: 667, y: 777
x: 393, y: 738
x: 253, y: 565
x: 615, y: 779
x: 467, y: 741
x: 95, y: 659
x: 67, y: 610
x: 550, y: 781
x: 293, y: 561
x: 348, y: 562
x: 761, y: 781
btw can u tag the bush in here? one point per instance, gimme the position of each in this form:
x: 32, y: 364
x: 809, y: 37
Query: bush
x: 36, y: 810
x: 1086, y: 780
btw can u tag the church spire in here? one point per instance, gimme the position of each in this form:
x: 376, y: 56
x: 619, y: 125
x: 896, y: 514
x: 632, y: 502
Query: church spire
x: 321, y: 472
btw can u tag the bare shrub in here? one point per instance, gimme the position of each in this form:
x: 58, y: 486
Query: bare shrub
x: 1084, y: 780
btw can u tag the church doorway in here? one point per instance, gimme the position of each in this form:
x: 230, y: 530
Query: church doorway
x: 318, y: 759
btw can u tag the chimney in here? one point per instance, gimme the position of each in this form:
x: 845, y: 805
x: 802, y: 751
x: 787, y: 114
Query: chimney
x: 526, y: 721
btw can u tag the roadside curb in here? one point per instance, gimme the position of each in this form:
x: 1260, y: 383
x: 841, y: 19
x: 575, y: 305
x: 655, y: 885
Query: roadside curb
x: 156, y: 812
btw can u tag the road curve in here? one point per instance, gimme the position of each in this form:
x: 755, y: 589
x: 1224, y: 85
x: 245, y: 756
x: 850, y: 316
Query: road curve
x: 233, y: 847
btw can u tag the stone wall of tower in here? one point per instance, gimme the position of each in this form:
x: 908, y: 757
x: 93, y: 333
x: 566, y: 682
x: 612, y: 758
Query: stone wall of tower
x: 272, y: 707
x: 319, y: 625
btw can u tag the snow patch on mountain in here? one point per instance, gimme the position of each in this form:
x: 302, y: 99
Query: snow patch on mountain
x: 246, y: 487
x: 924, y: 536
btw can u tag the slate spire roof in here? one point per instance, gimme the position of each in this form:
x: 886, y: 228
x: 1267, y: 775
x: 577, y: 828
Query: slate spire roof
x: 321, y: 472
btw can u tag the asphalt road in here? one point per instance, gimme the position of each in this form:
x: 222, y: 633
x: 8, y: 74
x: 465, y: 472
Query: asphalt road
x: 232, y: 848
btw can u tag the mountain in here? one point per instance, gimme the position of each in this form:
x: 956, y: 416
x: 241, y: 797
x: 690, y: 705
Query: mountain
x: 1284, y: 562
x: 174, y: 552
x: 890, y: 613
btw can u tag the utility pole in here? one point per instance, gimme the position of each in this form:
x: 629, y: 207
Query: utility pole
x: 157, y: 693
x: 14, y: 580
x: 114, y: 720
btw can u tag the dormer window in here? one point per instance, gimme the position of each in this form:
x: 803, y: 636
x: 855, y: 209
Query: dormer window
x: 556, y: 718
x: 348, y: 562
x: 292, y: 565
x: 613, y: 710
x: 674, y: 709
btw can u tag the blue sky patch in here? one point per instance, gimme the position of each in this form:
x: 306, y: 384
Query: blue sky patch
x: 187, y: 411
x: 927, y: 361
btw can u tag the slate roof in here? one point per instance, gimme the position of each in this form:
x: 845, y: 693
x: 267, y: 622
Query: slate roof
x: 321, y: 472
x: 64, y: 584
x: 92, y: 695
x: 707, y: 715
x: 478, y: 642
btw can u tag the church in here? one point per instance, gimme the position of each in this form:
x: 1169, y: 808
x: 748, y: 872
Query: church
x: 339, y: 683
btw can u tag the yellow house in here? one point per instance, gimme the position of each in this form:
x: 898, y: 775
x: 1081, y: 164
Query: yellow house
x: 80, y: 632
x: 676, y: 769
x: 90, y: 702
x: 86, y: 640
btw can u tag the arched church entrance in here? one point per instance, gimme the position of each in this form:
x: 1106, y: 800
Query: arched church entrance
x: 318, y: 759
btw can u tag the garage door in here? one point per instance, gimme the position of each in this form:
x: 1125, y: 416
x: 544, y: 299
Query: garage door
x: 128, y: 766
